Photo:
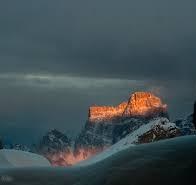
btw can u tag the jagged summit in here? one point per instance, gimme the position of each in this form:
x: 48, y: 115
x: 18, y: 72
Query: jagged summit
x: 144, y: 104
x: 139, y: 104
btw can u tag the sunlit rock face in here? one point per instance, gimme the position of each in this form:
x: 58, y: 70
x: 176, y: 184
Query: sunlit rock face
x: 104, y: 113
x: 143, y: 104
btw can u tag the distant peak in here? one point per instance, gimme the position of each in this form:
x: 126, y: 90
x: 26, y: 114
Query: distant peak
x: 143, y: 104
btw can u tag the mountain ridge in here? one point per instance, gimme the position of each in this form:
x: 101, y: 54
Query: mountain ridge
x: 108, y: 125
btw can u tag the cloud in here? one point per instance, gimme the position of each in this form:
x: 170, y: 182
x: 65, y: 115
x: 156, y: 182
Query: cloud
x: 59, y: 57
x: 127, y: 39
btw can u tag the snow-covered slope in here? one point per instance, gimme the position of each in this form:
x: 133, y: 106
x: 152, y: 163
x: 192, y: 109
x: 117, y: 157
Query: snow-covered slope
x: 16, y: 158
x: 156, y: 127
x: 167, y: 162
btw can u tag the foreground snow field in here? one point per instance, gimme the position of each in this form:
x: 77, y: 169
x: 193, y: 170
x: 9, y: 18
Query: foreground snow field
x: 168, y: 162
x: 16, y: 158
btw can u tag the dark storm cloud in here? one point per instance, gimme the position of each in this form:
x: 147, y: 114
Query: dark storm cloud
x: 59, y: 57
x: 128, y: 39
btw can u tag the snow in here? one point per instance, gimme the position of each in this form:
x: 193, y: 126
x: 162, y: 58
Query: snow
x: 166, y: 125
x: 16, y: 158
x: 167, y: 162
x: 129, y: 140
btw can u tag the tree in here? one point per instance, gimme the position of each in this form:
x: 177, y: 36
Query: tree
x: 194, y: 115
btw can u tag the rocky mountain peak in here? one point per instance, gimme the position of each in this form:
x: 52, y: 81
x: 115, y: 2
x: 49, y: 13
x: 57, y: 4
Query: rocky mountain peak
x: 54, y: 141
x: 143, y: 104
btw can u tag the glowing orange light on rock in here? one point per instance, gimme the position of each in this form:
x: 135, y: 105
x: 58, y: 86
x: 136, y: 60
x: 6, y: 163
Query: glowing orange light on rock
x: 139, y: 104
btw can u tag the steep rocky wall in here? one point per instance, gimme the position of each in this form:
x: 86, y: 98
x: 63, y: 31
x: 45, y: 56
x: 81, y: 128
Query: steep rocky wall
x: 101, y: 113
x: 139, y: 104
x: 144, y: 104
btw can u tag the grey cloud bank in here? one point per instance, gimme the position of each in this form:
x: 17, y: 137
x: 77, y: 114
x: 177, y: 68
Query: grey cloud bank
x: 128, y: 39
x: 59, y: 57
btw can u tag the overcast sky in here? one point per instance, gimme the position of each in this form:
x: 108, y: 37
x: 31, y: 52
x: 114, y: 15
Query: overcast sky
x: 59, y: 57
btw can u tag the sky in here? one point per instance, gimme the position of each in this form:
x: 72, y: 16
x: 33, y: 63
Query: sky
x: 59, y: 57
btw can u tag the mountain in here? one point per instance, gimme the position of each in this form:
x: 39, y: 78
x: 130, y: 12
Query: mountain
x: 54, y: 141
x: 140, y: 104
x: 58, y: 149
x: 155, y: 130
x: 186, y: 125
x: 54, y: 146
x: 141, y: 119
x: 107, y: 125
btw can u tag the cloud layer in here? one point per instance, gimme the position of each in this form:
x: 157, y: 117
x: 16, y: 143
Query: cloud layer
x: 59, y: 57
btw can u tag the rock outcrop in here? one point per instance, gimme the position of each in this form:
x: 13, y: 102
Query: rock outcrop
x: 139, y: 104
x: 161, y: 129
x: 144, y: 104
x: 106, y: 113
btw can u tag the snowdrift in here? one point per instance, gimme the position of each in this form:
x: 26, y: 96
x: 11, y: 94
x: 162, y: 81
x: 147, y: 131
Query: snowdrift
x: 16, y: 158
x: 170, y: 162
